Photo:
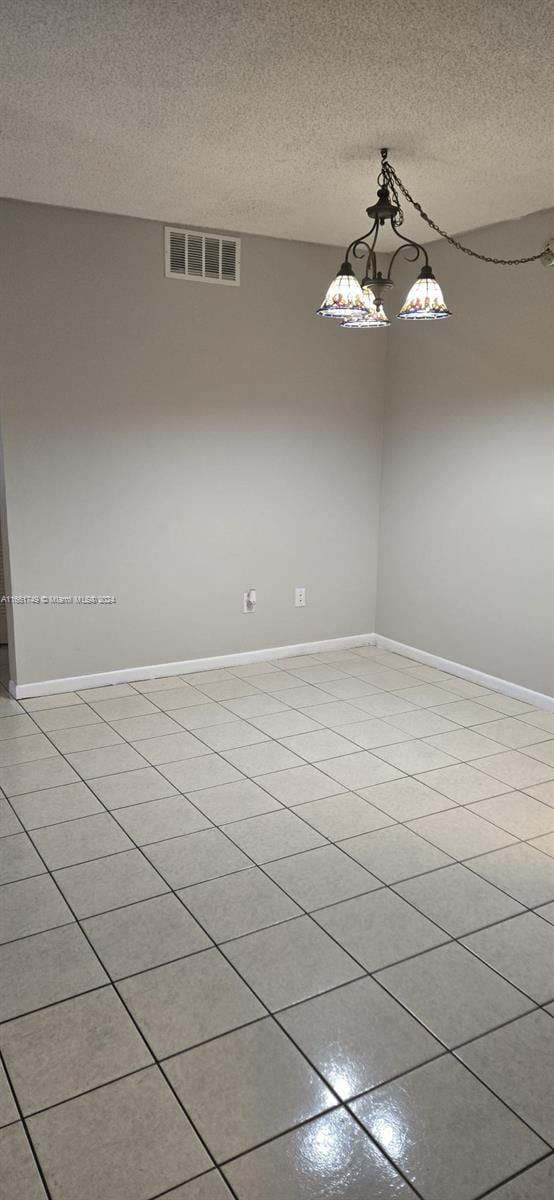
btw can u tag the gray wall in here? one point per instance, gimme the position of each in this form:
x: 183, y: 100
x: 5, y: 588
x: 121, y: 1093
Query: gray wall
x: 175, y: 443
x: 466, y: 551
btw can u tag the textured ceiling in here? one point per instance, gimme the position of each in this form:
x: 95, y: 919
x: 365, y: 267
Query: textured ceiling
x: 267, y: 117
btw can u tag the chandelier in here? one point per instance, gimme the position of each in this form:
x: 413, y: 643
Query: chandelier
x: 360, y: 306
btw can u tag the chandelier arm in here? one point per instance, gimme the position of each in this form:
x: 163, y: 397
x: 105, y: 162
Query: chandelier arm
x: 392, y: 176
x: 361, y: 241
x: 406, y: 242
x: 359, y: 248
x: 406, y: 246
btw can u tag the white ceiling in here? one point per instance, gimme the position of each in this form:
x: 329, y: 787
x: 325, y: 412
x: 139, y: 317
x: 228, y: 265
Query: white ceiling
x: 266, y: 116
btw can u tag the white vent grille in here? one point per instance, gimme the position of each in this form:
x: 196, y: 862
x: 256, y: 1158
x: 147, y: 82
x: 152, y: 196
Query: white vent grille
x: 210, y: 257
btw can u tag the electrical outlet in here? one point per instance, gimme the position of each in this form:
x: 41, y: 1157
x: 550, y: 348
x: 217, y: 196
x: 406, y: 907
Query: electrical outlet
x: 249, y: 601
x: 300, y: 597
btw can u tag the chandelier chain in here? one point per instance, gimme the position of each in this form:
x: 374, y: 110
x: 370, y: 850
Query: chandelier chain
x: 396, y: 198
x: 393, y: 179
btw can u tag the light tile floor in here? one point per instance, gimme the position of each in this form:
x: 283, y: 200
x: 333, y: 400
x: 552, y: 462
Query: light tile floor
x: 278, y: 932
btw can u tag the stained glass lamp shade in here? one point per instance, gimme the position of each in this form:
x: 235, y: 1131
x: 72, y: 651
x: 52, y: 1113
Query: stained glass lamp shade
x: 425, y: 301
x: 344, y: 298
x: 374, y: 318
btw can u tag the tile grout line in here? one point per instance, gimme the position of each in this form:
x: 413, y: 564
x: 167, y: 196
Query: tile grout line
x: 367, y: 974
x: 158, y: 1062
x: 22, y: 1123
x: 224, y: 704
x: 449, y: 938
x: 142, y: 1035
x: 269, y: 1014
x: 260, y: 866
x: 328, y: 842
x: 516, y: 1175
x: 139, y: 1031
x: 280, y: 807
x: 256, y: 866
x: 357, y: 749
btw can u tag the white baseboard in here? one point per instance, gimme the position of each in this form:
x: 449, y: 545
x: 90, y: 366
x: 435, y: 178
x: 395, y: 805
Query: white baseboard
x: 537, y: 699
x: 46, y: 687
